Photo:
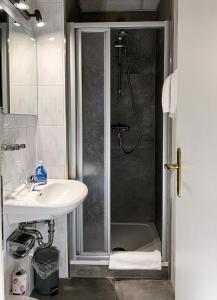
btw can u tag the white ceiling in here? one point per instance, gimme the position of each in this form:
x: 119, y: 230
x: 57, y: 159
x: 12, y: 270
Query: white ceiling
x: 118, y: 5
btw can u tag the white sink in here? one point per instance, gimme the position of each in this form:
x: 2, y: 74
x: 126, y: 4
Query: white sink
x: 56, y: 198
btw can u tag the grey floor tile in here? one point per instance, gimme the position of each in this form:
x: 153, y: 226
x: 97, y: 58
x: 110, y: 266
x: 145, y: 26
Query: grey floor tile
x: 83, y: 289
x: 107, y: 289
x: 143, y: 290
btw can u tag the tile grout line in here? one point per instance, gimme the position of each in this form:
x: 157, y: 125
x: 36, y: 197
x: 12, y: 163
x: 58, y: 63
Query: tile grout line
x: 115, y: 290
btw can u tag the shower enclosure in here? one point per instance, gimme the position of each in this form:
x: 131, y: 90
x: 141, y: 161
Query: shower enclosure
x: 118, y: 138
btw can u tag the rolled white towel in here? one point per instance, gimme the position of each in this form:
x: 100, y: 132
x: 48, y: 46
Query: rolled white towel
x: 169, y: 94
x: 166, y: 94
x: 135, y: 260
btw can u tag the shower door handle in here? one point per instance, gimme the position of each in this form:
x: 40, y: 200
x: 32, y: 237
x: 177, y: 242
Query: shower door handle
x: 177, y: 167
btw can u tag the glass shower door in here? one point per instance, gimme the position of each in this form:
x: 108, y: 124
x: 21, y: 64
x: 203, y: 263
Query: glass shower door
x: 93, y: 140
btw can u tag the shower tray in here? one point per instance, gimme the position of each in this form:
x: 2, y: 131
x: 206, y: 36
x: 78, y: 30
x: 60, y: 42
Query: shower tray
x: 135, y: 237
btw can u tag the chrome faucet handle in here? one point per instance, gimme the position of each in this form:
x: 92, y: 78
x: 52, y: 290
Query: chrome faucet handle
x: 29, y: 181
x: 34, y: 189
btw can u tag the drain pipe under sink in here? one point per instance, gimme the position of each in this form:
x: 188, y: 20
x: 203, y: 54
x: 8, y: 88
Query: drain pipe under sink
x: 27, y: 228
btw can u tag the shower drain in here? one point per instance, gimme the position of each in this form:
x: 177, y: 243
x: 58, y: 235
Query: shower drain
x: 118, y: 249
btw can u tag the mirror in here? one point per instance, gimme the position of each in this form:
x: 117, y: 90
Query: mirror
x: 22, y: 71
x: 18, y: 68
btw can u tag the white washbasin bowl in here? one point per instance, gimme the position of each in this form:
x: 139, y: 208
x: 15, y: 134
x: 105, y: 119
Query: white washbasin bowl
x: 56, y: 198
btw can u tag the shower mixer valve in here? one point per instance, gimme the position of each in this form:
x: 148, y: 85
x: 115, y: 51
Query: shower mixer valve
x: 120, y: 128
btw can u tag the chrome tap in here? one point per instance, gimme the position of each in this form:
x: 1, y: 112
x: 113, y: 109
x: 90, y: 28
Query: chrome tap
x: 29, y: 181
x: 31, y: 184
x: 38, y: 184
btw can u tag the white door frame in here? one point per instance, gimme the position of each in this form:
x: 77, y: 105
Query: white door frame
x: 196, y: 124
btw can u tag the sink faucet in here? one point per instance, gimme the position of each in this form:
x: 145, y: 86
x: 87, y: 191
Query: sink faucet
x: 38, y: 184
x: 31, y: 182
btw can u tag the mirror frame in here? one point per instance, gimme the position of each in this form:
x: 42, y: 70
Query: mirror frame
x: 4, y: 64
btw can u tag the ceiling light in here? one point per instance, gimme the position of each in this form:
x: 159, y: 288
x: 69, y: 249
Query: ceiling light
x: 21, y: 4
x: 37, y: 15
x: 40, y: 24
x: 1, y: 8
x: 16, y: 24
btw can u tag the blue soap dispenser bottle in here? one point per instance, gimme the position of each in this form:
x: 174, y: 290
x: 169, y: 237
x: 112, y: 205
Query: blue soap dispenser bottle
x: 40, y: 173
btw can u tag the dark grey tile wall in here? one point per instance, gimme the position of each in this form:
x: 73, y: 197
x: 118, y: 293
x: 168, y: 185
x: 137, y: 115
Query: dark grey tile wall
x: 165, y: 10
x: 133, y: 176
x: 72, y: 11
x: 118, y: 16
x: 74, y: 14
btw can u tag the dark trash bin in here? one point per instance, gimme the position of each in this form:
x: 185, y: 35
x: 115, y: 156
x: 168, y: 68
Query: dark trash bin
x: 46, y: 270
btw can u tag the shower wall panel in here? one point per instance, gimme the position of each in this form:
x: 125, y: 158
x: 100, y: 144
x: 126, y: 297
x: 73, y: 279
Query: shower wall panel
x: 93, y: 140
x: 133, y: 176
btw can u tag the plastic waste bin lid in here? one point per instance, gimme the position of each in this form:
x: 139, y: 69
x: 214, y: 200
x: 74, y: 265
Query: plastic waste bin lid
x: 46, y: 261
x: 46, y: 255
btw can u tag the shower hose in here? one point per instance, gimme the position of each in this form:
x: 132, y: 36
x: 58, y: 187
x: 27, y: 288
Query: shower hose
x: 134, y: 109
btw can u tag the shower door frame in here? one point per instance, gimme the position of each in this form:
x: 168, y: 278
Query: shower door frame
x: 76, y: 254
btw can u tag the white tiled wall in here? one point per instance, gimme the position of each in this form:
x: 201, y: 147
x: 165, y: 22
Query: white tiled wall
x: 47, y: 142
x: 51, y: 105
x: 51, y: 142
x: 51, y: 134
x: 17, y: 165
x: 1, y: 223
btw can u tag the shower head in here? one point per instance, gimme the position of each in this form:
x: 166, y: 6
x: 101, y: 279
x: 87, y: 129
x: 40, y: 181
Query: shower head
x: 123, y: 33
x: 121, y: 41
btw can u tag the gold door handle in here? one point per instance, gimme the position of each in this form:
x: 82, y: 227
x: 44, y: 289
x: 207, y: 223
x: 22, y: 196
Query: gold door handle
x: 177, y: 167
